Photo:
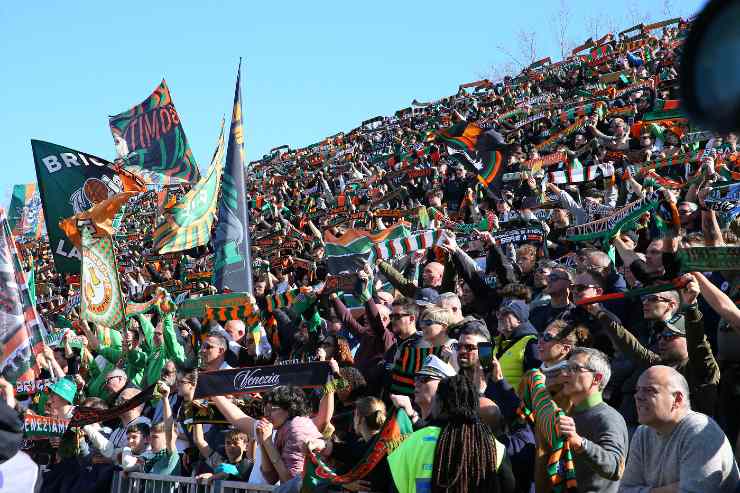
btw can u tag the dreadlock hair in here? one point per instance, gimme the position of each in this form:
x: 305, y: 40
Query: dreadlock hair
x: 465, y: 457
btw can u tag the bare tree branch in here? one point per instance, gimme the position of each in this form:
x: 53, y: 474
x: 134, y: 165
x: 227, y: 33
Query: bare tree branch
x: 561, y: 26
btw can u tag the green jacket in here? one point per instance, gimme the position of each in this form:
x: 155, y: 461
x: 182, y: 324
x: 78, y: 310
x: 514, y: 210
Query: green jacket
x: 106, y: 356
x: 156, y: 356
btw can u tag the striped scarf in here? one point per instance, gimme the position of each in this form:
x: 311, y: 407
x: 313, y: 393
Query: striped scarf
x: 401, y: 246
x: 540, y: 409
x: 247, y: 312
x: 407, y: 364
x: 577, y: 175
x: 554, y: 139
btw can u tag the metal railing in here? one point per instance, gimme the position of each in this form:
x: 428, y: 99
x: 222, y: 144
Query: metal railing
x: 136, y: 482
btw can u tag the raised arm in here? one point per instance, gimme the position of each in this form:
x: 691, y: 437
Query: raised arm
x: 234, y: 415
x: 719, y: 301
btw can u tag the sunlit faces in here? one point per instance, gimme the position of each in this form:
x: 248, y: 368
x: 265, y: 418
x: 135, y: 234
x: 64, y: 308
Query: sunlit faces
x: 432, y: 274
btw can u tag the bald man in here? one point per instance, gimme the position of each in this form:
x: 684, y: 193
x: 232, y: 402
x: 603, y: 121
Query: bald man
x: 431, y: 277
x: 675, y: 448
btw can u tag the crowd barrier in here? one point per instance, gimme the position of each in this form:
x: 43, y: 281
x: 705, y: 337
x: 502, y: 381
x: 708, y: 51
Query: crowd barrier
x: 136, y: 482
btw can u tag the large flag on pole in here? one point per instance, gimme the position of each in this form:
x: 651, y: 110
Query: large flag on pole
x: 100, y: 301
x: 232, y: 267
x: 72, y: 182
x: 188, y: 223
x: 150, y: 136
x: 21, y: 330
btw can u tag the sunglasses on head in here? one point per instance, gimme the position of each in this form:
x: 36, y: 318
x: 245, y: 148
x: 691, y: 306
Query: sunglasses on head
x: 547, y: 337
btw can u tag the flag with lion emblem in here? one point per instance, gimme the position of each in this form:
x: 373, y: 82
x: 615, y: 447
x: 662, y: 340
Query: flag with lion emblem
x: 100, y: 301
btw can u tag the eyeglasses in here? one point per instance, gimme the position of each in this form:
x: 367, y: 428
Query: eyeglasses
x: 397, y: 316
x: 668, y: 334
x: 466, y: 348
x: 576, y: 368
x: 583, y: 287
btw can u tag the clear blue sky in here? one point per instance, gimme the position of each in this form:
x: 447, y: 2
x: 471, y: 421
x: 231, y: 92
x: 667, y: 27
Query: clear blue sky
x: 311, y: 68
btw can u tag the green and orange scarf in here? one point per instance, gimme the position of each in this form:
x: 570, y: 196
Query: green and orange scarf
x: 539, y: 408
x: 317, y: 473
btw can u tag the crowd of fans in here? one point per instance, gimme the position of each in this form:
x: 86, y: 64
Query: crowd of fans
x: 644, y: 388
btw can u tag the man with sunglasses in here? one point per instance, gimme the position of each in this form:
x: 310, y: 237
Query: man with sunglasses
x: 681, y: 344
x: 213, y: 352
x: 595, y: 430
x: 559, y: 282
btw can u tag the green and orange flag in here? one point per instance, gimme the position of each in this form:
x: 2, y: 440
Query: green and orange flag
x: 150, y: 136
x: 188, y: 223
x: 25, y: 214
x: 478, y: 150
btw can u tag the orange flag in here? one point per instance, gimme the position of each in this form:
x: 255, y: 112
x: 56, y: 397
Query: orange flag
x: 101, y: 215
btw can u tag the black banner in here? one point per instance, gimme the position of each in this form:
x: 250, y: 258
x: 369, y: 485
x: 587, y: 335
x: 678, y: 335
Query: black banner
x: 261, y: 378
x: 519, y: 235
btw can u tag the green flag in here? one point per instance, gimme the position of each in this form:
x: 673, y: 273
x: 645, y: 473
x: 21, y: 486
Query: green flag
x: 70, y: 182
x: 100, y: 301
x: 188, y: 223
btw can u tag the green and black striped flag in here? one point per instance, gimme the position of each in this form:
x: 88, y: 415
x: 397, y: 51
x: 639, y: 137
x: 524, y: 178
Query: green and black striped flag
x: 188, y: 223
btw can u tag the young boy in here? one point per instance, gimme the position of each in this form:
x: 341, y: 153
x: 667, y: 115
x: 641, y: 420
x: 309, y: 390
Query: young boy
x: 239, y: 450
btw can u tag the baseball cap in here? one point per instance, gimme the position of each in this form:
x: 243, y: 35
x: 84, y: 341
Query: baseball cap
x: 436, y: 368
x: 676, y: 325
x: 427, y: 296
x: 65, y: 388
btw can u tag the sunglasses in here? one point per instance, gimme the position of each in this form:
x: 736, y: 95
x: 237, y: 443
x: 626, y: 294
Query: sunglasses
x: 583, y: 287
x: 466, y: 348
x: 669, y: 335
x: 576, y: 368
x: 556, y: 277
x: 428, y: 323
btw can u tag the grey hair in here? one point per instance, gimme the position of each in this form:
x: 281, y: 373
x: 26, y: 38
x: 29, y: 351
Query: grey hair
x: 449, y: 297
x: 117, y: 372
x: 218, y: 334
x: 597, y: 361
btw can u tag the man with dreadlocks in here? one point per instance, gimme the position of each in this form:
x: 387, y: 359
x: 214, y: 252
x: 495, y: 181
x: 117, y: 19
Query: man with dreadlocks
x: 457, y: 453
